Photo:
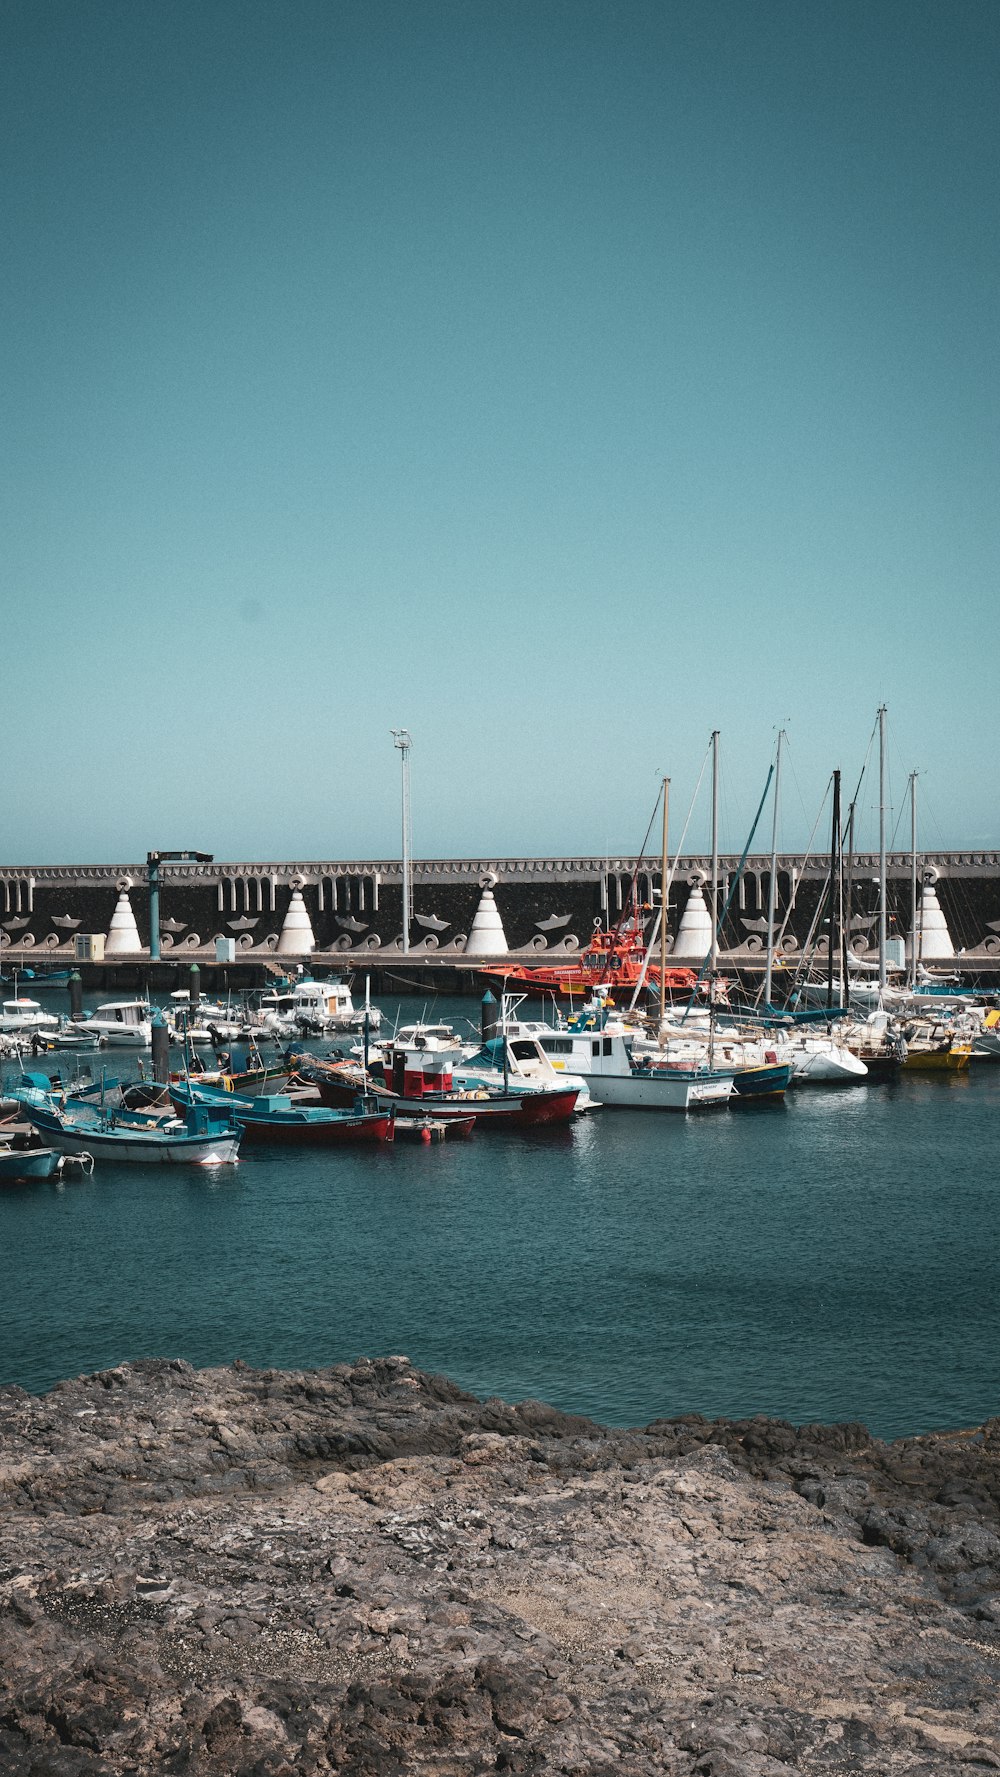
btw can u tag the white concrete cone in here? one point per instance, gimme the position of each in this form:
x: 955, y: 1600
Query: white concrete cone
x: 933, y: 937
x: 694, y: 934
x: 487, y: 936
x: 123, y: 933
x: 296, y: 938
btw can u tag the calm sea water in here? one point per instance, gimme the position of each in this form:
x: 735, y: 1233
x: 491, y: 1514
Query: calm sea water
x: 834, y: 1258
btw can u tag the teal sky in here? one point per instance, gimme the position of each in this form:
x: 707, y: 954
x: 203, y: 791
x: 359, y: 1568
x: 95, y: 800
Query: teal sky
x: 560, y: 380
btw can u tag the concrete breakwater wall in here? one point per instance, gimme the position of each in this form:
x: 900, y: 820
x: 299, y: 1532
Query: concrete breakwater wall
x: 547, y: 907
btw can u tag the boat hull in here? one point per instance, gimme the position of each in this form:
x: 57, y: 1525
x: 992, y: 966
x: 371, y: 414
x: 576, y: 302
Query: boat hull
x: 573, y: 981
x: 137, y: 1147
x: 20, y: 1166
x: 770, y: 1081
x: 935, y: 1061
x: 264, y: 1132
x: 515, y: 1109
x: 669, y: 1090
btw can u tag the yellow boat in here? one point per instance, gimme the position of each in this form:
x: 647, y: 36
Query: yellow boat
x: 947, y: 1056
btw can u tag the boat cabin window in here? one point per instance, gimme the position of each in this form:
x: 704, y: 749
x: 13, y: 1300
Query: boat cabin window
x: 607, y: 1045
x: 524, y: 1050
x: 595, y: 1047
x: 557, y: 1045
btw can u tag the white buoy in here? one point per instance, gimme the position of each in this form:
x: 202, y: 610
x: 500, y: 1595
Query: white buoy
x: 296, y: 936
x: 934, y: 943
x: 123, y: 933
x: 487, y: 936
x: 694, y: 934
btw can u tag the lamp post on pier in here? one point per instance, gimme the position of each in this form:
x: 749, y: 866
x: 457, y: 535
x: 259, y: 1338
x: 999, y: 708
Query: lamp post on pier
x: 153, y: 861
x: 401, y: 739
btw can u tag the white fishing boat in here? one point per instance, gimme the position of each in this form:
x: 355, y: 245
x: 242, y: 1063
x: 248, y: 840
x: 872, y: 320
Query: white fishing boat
x: 315, y: 1007
x: 27, y: 1016
x: 518, y: 1062
x: 615, y: 1077
x: 125, y: 1024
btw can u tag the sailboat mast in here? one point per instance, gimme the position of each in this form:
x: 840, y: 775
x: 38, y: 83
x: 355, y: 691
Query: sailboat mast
x: 713, y: 961
x: 663, y: 907
x: 849, y: 900
x: 913, y: 881
x: 848, y: 904
x: 772, y: 887
x: 881, y: 846
x: 831, y: 943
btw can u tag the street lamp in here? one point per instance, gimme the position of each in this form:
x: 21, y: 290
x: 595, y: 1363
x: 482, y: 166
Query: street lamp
x: 153, y: 861
x: 401, y: 739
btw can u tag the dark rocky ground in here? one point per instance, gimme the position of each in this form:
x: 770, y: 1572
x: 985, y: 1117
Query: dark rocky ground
x: 363, y: 1570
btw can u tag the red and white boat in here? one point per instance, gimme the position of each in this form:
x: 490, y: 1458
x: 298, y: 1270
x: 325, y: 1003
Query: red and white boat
x: 612, y: 959
x: 418, y: 1081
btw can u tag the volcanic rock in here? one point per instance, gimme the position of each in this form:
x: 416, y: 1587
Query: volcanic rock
x: 365, y: 1571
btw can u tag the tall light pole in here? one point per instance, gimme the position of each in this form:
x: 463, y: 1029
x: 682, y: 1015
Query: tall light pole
x: 401, y: 739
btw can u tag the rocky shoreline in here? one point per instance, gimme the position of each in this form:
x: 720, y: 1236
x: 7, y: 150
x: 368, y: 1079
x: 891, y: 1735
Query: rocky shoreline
x: 365, y: 1570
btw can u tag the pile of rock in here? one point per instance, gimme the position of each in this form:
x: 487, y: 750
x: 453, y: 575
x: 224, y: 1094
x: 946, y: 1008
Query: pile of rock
x: 365, y: 1570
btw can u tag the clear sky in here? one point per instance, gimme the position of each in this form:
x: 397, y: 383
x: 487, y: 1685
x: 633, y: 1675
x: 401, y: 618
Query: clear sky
x: 561, y: 380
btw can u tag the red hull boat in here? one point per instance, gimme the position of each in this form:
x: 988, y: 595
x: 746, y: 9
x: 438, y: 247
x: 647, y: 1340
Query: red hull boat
x: 611, y: 959
x: 416, y: 1093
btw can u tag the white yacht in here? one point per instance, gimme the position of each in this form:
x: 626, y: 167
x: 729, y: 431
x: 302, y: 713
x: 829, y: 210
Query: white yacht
x: 27, y: 1016
x: 124, y: 1024
x: 318, y: 1005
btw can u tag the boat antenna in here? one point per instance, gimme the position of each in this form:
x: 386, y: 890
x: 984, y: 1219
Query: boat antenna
x: 651, y: 942
x: 401, y: 739
x: 664, y: 893
x: 914, y: 910
x: 730, y: 898
x: 831, y: 946
x: 713, y: 960
x: 772, y: 886
x: 881, y: 848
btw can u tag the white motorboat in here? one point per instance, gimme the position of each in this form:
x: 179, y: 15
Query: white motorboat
x: 125, y: 1024
x: 615, y: 1077
x: 316, y: 1006
x: 27, y: 1016
x: 820, y: 1061
x: 525, y: 1065
x: 603, y: 1056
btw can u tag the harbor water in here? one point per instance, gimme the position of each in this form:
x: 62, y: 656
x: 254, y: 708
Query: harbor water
x: 832, y: 1257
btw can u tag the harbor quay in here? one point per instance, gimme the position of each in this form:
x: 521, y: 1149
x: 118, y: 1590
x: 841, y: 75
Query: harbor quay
x: 124, y: 925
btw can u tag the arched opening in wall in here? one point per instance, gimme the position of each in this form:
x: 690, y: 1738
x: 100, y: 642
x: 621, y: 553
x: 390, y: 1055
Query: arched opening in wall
x: 785, y: 888
x: 750, y: 891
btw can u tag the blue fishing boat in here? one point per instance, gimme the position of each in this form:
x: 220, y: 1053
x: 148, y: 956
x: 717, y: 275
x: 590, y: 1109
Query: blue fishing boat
x: 203, y: 1137
x: 20, y: 1165
x: 277, y: 1119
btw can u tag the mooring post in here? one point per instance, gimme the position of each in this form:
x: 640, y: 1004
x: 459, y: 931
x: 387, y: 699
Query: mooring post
x: 194, y: 989
x: 153, y: 865
x: 489, y: 1016
x: 75, y: 995
x: 161, y: 1047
